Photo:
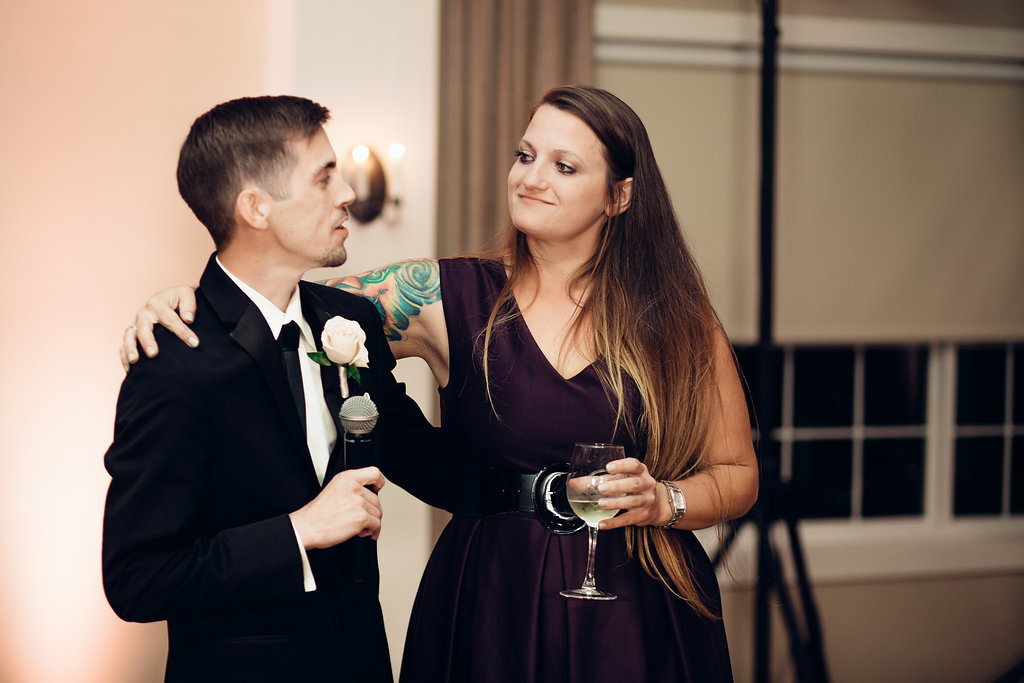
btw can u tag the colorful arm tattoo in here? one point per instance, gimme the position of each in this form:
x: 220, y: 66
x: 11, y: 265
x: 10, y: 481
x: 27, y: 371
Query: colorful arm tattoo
x: 399, y: 291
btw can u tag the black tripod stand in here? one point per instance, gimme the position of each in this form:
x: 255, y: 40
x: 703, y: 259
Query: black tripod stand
x: 775, y: 501
x: 775, y: 505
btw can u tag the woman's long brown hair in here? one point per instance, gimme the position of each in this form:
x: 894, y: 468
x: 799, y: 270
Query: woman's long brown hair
x: 648, y: 310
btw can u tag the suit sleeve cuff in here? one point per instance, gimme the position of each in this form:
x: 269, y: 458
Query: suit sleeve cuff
x: 308, y: 582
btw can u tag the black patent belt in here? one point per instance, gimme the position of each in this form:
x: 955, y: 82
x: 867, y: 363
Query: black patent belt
x: 487, y: 491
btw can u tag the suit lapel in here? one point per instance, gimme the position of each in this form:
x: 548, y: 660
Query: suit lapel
x: 253, y: 335
x: 250, y: 331
x: 315, y: 312
x: 316, y: 316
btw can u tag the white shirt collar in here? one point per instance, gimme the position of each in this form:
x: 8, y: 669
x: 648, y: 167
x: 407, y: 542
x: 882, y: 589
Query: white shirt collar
x: 275, y: 317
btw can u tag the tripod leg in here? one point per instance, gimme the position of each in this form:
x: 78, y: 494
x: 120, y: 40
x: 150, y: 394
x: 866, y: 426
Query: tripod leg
x: 805, y: 671
x: 762, y: 615
x: 815, y: 644
x: 727, y: 541
x: 1014, y: 675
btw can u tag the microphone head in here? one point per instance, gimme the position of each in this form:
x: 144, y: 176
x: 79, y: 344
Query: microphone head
x: 358, y: 415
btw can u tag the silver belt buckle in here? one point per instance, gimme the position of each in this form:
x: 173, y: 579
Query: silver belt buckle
x: 550, y: 503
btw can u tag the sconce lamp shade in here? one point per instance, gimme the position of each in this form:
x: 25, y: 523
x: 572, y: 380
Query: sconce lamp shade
x: 362, y: 169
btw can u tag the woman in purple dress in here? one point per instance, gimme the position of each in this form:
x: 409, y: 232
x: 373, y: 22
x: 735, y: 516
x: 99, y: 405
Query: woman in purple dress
x: 591, y: 324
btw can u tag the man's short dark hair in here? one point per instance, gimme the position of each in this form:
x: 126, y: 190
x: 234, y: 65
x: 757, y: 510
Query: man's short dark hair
x: 237, y: 142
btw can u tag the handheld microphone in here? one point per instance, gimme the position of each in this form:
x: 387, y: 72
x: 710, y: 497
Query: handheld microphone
x: 358, y: 417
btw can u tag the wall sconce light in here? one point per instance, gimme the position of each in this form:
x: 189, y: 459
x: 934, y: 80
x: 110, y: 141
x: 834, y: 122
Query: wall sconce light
x: 378, y: 190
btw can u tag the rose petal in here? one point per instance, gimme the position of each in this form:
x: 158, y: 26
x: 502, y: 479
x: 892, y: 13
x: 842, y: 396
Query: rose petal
x: 342, y: 340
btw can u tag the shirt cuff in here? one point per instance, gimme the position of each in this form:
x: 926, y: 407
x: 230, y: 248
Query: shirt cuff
x: 308, y: 582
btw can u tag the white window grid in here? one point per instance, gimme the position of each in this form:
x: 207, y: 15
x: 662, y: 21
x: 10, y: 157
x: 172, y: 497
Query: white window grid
x: 934, y: 543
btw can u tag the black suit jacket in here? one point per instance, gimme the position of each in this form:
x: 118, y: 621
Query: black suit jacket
x: 208, y: 459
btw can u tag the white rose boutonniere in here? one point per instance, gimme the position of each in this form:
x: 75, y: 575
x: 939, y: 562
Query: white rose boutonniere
x: 344, y: 345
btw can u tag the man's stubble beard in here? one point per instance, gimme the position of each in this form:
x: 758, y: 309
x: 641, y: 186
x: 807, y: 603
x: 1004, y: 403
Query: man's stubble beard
x: 334, y: 257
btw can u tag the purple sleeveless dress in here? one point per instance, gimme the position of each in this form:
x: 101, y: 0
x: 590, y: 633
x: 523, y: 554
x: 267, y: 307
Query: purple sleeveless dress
x: 488, y: 608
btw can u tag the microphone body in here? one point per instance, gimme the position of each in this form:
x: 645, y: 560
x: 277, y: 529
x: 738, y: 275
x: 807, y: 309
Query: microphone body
x: 358, y: 417
x: 358, y: 450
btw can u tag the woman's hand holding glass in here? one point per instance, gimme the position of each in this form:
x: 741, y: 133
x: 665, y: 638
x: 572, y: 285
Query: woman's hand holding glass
x: 637, y: 494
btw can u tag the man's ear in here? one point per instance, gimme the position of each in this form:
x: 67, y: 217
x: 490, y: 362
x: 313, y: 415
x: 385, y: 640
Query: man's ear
x: 253, y: 207
x: 620, y: 201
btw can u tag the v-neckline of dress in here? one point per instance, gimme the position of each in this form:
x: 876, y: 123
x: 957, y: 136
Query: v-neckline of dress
x: 521, y: 321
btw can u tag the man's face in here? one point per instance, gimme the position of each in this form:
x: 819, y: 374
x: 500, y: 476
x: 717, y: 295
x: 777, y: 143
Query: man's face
x: 308, y: 224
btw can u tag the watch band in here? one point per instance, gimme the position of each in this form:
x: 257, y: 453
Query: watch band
x: 678, y: 501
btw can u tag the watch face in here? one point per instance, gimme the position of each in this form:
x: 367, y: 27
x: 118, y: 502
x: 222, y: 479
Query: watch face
x: 678, y: 501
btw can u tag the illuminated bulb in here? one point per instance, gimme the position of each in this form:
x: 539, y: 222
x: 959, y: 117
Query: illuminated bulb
x: 360, y: 153
x: 395, y: 153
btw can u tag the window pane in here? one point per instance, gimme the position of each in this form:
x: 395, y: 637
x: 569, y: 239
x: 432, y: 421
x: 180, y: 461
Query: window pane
x: 1018, y: 384
x: 750, y: 364
x: 893, y: 477
x: 979, y: 476
x: 981, y: 385
x: 746, y: 357
x: 823, y: 387
x: 768, y: 456
x: 1017, y: 476
x: 895, y: 385
x: 822, y: 478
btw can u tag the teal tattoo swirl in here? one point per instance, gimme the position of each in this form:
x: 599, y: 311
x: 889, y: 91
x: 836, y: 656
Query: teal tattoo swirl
x: 414, y: 284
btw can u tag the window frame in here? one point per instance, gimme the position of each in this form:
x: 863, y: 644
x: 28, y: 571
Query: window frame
x: 937, y: 543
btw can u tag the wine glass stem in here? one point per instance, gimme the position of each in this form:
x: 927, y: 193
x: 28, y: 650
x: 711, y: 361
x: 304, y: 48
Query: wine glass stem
x: 591, y: 548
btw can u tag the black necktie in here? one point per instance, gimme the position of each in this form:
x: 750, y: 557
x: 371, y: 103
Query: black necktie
x: 288, y: 340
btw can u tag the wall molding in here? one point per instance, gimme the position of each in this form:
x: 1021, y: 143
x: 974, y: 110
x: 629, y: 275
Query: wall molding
x: 659, y: 35
x: 880, y: 551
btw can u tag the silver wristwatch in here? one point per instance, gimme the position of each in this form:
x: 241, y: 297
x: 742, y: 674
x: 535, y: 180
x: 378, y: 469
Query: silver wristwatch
x: 678, y: 501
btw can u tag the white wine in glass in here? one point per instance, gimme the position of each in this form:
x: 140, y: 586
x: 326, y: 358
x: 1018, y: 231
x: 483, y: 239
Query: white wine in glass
x: 588, y: 471
x: 586, y: 508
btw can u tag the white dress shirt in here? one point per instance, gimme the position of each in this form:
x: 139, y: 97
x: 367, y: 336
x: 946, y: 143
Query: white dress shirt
x: 321, y: 434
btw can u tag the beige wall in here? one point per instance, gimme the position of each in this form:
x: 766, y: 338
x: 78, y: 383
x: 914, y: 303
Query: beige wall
x: 97, y: 98
x: 955, y: 630
x: 899, y: 215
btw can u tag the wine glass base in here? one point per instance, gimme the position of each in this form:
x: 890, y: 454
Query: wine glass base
x: 587, y: 594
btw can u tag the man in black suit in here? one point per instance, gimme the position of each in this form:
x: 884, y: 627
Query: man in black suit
x: 231, y: 513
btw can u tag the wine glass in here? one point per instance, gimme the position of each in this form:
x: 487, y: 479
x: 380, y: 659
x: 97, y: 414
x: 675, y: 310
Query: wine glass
x: 587, y: 472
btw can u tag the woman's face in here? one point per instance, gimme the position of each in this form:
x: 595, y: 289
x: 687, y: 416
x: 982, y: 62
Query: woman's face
x: 557, y: 192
